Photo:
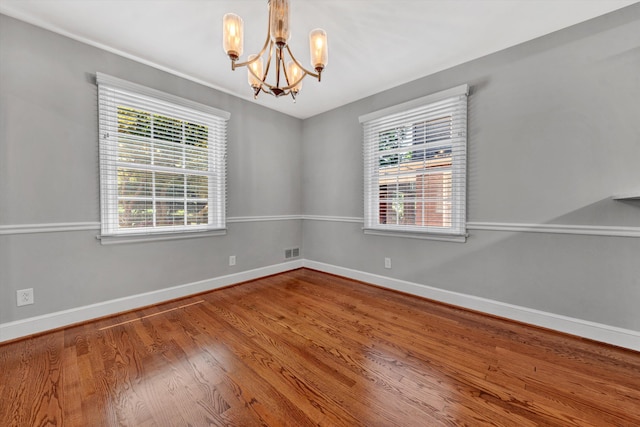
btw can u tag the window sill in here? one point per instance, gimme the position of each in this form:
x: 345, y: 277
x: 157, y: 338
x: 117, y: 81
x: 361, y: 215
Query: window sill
x: 139, y: 238
x: 415, y: 235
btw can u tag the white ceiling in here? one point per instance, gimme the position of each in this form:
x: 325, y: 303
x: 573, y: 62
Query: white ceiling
x: 373, y: 44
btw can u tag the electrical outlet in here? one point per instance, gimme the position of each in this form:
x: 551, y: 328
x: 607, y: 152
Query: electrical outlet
x: 24, y: 297
x: 232, y: 260
x: 387, y: 263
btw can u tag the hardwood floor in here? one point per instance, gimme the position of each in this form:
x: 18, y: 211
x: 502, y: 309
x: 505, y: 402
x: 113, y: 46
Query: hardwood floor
x: 306, y: 348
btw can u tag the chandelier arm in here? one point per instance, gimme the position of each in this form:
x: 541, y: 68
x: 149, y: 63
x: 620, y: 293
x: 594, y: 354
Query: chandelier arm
x: 270, y: 86
x: 284, y: 69
x: 266, y: 69
x: 259, y: 55
x: 286, y: 76
x: 263, y: 78
x: 286, y: 89
x: 293, y: 58
x: 278, y: 62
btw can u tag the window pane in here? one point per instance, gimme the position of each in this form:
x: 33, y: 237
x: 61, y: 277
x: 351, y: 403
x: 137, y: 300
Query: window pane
x: 435, y: 207
x: 196, y: 135
x: 135, y: 214
x: 168, y: 137
x: 197, y: 213
x: 197, y: 158
x: 134, y: 122
x: 134, y: 183
x: 134, y: 150
x: 168, y: 155
x: 389, y: 140
x: 134, y: 130
x: 169, y: 213
x: 197, y: 186
x: 167, y: 128
x: 169, y: 184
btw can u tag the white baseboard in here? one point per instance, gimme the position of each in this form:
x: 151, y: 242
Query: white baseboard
x: 34, y: 325
x: 582, y: 328
x: 596, y: 331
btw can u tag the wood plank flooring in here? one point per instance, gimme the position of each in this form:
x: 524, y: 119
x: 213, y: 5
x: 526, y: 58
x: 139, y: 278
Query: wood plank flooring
x: 305, y: 348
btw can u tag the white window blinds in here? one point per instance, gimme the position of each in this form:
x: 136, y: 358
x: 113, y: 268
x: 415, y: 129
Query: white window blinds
x: 162, y: 161
x: 415, y: 165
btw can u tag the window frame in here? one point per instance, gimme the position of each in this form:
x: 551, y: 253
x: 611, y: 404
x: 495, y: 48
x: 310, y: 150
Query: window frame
x: 409, y: 115
x: 114, y: 94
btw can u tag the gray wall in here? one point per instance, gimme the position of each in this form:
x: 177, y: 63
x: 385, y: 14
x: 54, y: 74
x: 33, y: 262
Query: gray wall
x: 554, y: 131
x: 49, y: 174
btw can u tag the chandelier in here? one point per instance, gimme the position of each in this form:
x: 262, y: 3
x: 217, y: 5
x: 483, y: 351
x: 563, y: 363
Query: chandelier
x: 288, y: 78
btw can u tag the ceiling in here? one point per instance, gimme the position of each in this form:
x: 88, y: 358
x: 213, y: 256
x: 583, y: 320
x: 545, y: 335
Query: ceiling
x: 373, y: 45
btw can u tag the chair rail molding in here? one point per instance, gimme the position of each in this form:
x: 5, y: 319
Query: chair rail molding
x: 588, y: 230
x: 55, y: 227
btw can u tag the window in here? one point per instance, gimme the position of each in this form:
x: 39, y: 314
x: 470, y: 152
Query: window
x: 162, y: 161
x: 415, y: 167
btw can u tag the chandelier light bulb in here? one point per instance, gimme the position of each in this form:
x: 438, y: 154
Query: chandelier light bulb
x: 232, y: 38
x: 279, y: 22
x: 319, y: 49
x: 257, y: 67
x: 295, y: 74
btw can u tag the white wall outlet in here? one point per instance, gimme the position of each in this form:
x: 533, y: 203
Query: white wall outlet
x: 232, y: 260
x: 24, y: 297
x: 387, y: 263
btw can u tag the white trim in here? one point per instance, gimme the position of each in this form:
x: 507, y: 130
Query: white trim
x: 359, y: 220
x: 588, y: 230
x: 414, y: 103
x: 582, y: 328
x: 235, y: 219
x: 48, y: 228
x: 34, y: 325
